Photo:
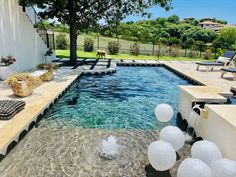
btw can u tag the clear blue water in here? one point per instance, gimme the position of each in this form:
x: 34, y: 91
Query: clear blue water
x: 125, y: 99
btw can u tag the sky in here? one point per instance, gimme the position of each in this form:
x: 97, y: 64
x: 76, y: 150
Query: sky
x: 220, y: 9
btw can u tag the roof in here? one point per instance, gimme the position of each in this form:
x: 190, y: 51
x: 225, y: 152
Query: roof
x: 209, y: 23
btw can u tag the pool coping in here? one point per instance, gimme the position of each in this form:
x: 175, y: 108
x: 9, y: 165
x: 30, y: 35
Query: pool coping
x: 16, y: 128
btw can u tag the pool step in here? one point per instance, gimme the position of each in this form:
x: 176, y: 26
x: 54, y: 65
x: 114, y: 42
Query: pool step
x: 123, y: 62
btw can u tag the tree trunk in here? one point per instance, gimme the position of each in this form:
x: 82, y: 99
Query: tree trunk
x: 73, y: 33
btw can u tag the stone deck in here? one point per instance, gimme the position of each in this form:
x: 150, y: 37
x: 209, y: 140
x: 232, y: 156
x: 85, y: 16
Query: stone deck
x: 211, y: 78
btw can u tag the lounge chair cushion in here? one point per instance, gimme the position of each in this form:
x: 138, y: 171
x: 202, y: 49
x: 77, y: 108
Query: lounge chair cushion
x: 9, y: 108
x: 230, y: 70
x: 210, y: 63
x: 223, y: 59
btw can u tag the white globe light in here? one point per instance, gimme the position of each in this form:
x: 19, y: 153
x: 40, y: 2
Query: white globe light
x: 174, y: 136
x: 206, y: 151
x: 161, y: 155
x: 164, y: 112
x: 223, y: 168
x: 193, y: 168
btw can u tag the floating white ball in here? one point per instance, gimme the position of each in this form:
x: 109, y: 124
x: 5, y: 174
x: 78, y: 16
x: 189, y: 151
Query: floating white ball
x: 164, y: 112
x: 193, y: 168
x: 161, y: 155
x: 174, y: 136
x: 223, y: 168
x: 206, y: 151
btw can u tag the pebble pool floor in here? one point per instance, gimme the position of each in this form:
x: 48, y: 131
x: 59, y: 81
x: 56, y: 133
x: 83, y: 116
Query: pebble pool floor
x: 66, y: 141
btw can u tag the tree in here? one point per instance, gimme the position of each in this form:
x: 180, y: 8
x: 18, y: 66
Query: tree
x: 81, y: 14
x: 200, y: 46
x: 228, y: 37
x: 174, y: 31
x: 189, y: 43
x: 173, y: 19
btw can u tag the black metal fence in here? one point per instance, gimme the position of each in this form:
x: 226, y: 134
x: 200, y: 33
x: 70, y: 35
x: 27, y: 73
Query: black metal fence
x: 46, y: 35
x: 156, y: 51
x: 101, y: 42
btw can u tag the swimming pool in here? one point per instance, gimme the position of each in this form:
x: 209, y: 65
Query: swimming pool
x: 123, y: 100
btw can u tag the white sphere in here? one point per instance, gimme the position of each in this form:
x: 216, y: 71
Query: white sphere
x: 206, y: 151
x: 161, y: 155
x: 193, y: 168
x: 174, y: 136
x: 164, y: 112
x: 223, y: 168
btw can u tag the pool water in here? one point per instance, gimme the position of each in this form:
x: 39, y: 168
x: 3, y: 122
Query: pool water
x: 123, y: 100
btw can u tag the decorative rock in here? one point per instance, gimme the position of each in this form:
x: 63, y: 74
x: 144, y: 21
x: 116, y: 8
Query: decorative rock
x: 107, y: 156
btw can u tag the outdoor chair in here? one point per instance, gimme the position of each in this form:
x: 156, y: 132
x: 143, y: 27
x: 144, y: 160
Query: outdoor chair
x: 226, y: 60
x: 229, y: 70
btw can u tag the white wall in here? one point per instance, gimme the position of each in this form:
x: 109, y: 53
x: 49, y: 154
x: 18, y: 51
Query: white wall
x: 214, y: 128
x: 18, y: 37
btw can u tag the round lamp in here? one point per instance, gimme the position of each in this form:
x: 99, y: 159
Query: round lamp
x: 161, y: 155
x: 206, y: 151
x: 174, y: 136
x: 164, y: 112
x: 194, y: 168
x: 223, y: 168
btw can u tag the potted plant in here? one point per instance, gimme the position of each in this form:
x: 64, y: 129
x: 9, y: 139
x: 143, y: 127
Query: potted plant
x: 48, y: 56
x: 5, y: 70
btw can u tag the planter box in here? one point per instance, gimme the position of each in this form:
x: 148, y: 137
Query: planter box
x: 5, y: 72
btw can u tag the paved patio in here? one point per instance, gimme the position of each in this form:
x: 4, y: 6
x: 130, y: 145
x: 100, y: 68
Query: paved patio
x: 211, y: 78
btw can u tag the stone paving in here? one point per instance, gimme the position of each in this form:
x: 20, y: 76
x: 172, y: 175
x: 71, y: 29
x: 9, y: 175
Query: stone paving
x: 211, y: 78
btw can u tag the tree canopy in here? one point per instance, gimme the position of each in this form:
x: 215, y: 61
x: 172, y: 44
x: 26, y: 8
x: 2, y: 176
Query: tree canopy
x: 82, y: 14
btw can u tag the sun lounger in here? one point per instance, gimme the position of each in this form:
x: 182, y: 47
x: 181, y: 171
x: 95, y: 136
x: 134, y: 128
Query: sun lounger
x: 225, y: 60
x: 229, y: 70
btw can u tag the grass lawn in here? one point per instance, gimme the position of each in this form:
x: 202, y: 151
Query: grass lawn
x: 82, y: 54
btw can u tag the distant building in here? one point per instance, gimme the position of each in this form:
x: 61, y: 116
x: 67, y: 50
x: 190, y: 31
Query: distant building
x: 214, y: 26
x: 189, y: 18
x: 211, y: 25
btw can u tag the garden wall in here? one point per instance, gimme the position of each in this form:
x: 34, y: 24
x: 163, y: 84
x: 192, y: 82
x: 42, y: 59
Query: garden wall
x: 19, y: 37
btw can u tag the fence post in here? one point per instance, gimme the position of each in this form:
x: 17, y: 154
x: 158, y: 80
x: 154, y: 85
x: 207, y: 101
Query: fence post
x: 47, y: 39
x: 98, y: 41
x: 53, y: 39
x: 159, y: 50
x: 185, y: 54
x: 153, y: 48
x: 215, y: 53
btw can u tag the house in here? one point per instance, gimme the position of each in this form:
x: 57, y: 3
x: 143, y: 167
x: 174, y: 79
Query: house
x: 211, y: 25
x: 20, y: 38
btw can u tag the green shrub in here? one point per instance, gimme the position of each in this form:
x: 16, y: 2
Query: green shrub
x: 88, y: 44
x: 134, y: 49
x: 174, y: 51
x: 208, y: 54
x: 113, y: 47
x: 62, y: 42
x: 219, y: 52
x: 193, y: 53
